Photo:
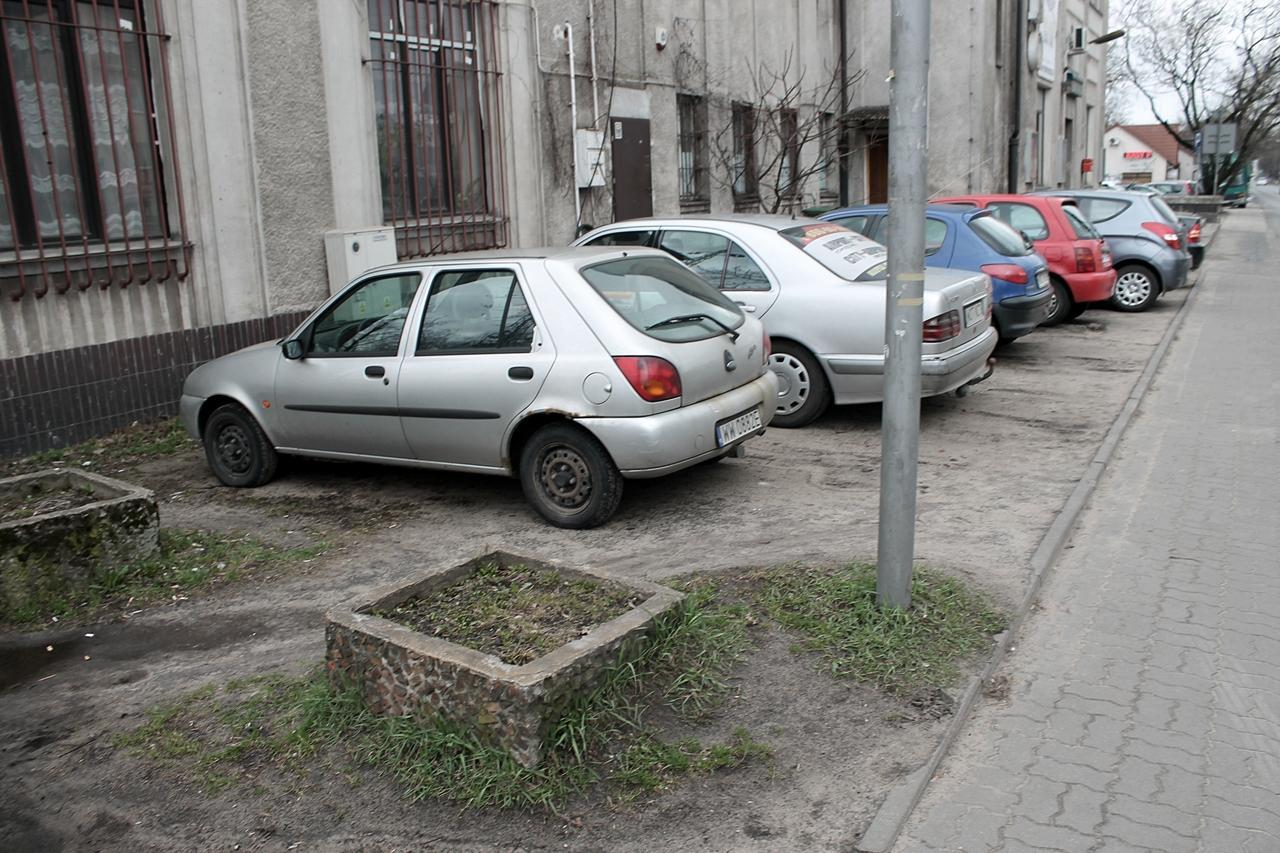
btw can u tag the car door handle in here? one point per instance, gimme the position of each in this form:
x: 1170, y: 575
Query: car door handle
x: 522, y: 373
x: 750, y: 309
x: 375, y: 370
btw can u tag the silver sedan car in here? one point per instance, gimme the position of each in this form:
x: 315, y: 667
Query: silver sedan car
x: 569, y: 368
x: 820, y: 288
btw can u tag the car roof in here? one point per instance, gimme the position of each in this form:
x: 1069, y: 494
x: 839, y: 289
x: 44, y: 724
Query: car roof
x: 959, y: 210
x: 570, y: 254
x: 1118, y: 195
x: 772, y: 221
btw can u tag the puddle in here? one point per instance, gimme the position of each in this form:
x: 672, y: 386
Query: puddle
x: 22, y: 663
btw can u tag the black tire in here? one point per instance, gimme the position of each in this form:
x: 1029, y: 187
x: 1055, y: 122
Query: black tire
x: 237, y: 449
x: 568, y: 477
x: 1137, y: 289
x: 1061, y: 306
x: 1077, y: 309
x: 803, y: 392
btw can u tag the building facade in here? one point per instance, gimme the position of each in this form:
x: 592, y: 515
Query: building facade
x: 1142, y: 153
x: 181, y: 179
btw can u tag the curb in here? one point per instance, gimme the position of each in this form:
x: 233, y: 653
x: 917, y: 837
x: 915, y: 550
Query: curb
x: 892, y: 816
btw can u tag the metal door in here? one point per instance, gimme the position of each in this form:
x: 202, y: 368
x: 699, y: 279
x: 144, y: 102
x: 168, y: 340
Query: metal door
x: 878, y: 170
x: 460, y: 391
x: 632, y: 177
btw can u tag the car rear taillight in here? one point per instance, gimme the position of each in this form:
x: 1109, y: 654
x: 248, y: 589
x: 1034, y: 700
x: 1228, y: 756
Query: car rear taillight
x: 768, y: 348
x: 653, y: 378
x: 1105, y: 252
x: 1084, y: 260
x: 1008, y: 272
x: 944, y: 327
x: 1193, y: 236
x: 1164, y: 232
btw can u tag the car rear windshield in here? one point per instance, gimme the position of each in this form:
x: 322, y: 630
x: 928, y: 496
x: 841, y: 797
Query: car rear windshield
x: 999, y: 236
x: 1164, y: 210
x: 846, y: 253
x: 1080, y: 225
x: 652, y: 292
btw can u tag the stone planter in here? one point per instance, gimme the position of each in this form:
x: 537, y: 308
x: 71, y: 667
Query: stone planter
x: 402, y: 672
x: 62, y: 552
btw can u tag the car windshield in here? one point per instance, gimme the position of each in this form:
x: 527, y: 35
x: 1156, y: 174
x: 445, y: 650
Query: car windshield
x: 1164, y: 210
x: 663, y: 298
x: 846, y: 253
x: 999, y: 236
x: 1080, y: 225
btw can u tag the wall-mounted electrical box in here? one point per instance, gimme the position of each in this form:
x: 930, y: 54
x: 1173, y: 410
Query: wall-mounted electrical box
x: 590, y: 157
x: 350, y: 253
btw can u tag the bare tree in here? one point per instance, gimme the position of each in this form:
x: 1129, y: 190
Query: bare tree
x: 1119, y: 85
x: 764, y: 151
x: 1221, y: 63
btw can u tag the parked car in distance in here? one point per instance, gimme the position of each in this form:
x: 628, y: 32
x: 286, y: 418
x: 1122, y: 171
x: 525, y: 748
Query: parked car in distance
x: 820, y: 289
x: 1170, y: 187
x: 572, y: 369
x: 1146, y: 241
x: 958, y: 237
x: 1191, y: 226
x: 1079, y: 260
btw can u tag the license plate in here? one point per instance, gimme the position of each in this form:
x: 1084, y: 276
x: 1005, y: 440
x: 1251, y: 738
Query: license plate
x: 974, y: 312
x: 738, y: 426
x: 1042, y: 279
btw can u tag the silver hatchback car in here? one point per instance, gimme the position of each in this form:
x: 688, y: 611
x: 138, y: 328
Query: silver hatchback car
x: 569, y: 368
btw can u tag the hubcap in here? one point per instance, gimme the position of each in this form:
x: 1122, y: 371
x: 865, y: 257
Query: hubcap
x: 233, y: 449
x: 793, y: 382
x: 1053, y: 301
x: 1133, y: 288
x: 564, y: 477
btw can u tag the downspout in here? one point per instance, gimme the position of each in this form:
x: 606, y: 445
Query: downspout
x: 573, y: 128
x: 595, y: 85
x: 842, y: 144
x: 1019, y: 60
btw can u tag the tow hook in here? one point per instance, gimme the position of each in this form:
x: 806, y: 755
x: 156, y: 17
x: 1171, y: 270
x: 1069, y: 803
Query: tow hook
x: 739, y: 451
x: 963, y: 390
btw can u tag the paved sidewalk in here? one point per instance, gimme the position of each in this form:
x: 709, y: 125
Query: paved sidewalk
x: 1144, y: 706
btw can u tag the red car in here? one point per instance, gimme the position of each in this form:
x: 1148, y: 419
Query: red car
x: 1080, y: 268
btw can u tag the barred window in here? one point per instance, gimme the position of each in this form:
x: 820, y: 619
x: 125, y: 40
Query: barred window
x: 745, y: 186
x: 829, y: 173
x: 87, y: 164
x: 691, y: 115
x: 435, y: 92
x: 789, y: 141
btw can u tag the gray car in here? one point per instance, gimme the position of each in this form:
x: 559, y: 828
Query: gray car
x: 1147, y: 242
x: 820, y: 289
x: 569, y: 368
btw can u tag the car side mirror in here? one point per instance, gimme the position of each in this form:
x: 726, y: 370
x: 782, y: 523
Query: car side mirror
x: 292, y: 349
x: 1027, y: 241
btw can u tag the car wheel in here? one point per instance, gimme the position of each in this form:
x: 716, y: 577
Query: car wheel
x: 237, y: 449
x: 1060, y: 303
x: 1077, y: 309
x: 569, y: 478
x: 803, y: 394
x: 1136, y: 289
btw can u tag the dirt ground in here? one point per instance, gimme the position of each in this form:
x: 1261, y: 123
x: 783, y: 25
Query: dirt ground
x: 995, y: 467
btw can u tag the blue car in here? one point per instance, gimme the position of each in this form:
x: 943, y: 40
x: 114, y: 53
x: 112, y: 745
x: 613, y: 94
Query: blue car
x: 961, y: 237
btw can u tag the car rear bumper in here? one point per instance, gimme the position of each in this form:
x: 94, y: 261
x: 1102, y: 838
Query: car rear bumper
x: 1018, y: 315
x: 1174, y: 273
x: 1092, y: 286
x: 948, y: 371
x: 654, y: 445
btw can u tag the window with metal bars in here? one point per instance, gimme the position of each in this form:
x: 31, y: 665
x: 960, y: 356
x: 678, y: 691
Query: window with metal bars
x: 691, y: 116
x: 435, y: 91
x: 745, y: 180
x: 87, y: 164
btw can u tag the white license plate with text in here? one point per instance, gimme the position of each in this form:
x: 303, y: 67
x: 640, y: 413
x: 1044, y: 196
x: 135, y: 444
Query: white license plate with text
x: 974, y: 312
x: 739, y: 426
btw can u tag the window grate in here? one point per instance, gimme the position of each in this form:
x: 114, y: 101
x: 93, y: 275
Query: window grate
x: 435, y: 81
x: 692, y: 166
x: 90, y: 192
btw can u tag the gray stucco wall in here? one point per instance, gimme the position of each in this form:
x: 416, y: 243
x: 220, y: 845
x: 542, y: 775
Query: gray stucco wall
x: 291, y: 147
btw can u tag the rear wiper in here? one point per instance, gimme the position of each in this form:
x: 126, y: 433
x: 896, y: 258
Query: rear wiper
x: 693, y: 318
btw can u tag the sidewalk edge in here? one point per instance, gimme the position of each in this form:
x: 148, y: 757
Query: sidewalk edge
x: 892, y: 816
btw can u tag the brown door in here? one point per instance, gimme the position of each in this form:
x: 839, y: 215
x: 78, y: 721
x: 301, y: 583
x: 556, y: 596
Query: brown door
x: 878, y: 170
x: 632, y: 180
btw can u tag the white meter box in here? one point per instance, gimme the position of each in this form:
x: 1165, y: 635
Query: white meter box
x: 349, y: 253
x: 590, y: 157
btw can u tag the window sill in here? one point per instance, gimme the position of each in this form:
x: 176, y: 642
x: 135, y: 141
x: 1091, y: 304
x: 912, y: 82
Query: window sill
x: 103, y: 265
x: 695, y: 205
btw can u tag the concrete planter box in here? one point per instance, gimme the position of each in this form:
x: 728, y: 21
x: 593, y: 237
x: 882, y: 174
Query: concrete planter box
x: 63, y: 552
x: 402, y: 672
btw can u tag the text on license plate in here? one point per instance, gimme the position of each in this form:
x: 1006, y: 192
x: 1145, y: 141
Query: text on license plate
x: 974, y: 312
x: 727, y: 432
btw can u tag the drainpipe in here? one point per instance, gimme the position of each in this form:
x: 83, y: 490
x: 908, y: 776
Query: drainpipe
x: 595, y: 84
x: 573, y: 128
x: 1019, y: 60
x: 842, y: 144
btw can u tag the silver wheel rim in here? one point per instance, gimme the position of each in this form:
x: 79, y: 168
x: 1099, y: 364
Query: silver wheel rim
x: 1053, y: 300
x: 1133, y: 288
x: 793, y: 382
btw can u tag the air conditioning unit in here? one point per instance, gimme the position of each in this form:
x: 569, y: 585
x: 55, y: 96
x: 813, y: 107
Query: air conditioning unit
x: 1072, y: 84
x: 1077, y: 38
x: 350, y: 253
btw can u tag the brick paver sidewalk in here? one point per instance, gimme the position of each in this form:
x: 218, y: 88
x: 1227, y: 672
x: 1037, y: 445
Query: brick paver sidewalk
x: 1144, y: 711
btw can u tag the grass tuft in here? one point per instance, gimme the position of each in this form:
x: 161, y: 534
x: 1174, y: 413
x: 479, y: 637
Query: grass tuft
x: 127, y: 446
x: 900, y: 651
